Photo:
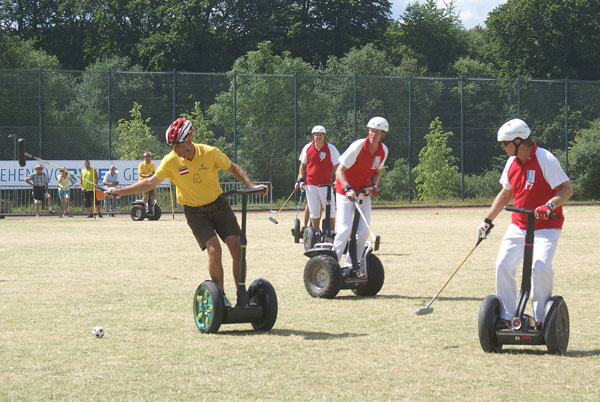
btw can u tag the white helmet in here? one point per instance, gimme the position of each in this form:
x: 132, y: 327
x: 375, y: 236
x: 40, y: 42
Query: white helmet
x: 515, y: 128
x: 318, y: 129
x: 379, y: 123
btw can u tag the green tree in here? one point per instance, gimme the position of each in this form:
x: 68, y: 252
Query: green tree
x: 433, y: 35
x: 546, y: 38
x: 265, y: 126
x: 436, y: 174
x: 584, y: 167
x: 135, y: 136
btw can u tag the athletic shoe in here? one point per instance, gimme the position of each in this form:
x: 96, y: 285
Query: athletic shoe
x: 501, y: 323
x: 37, y: 216
x: 61, y: 216
x: 51, y: 211
x: 226, y: 302
x: 100, y: 215
x: 90, y: 216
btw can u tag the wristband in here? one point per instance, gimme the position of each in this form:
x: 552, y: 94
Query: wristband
x: 301, y: 179
x: 551, y: 205
x: 488, y: 221
x: 347, y: 187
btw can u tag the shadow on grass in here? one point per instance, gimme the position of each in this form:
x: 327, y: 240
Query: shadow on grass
x: 540, y: 352
x: 308, y: 335
x: 400, y: 297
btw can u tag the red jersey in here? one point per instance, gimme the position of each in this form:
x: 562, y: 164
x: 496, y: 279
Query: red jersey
x: 361, y: 165
x: 319, y: 162
x: 534, y: 183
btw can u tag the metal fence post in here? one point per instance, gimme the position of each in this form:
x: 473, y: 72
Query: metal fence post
x: 174, y: 95
x: 409, y: 140
x: 295, y: 122
x: 462, y: 140
x: 40, y: 112
x: 234, y: 116
x: 567, y: 125
x: 108, y: 116
x: 354, y: 100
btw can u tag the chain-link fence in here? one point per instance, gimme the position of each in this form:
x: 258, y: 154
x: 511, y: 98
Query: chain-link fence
x: 266, y: 119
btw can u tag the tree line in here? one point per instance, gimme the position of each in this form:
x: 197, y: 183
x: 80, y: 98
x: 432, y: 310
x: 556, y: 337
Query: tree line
x: 324, y: 52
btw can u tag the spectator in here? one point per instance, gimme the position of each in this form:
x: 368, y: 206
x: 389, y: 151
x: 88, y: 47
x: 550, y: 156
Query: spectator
x: 64, y: 191
x: 111, y: 179
x: 88, y: 181
x: 39, y: 181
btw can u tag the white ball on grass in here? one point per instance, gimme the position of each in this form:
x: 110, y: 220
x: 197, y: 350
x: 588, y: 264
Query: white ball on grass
x: 98, y: 332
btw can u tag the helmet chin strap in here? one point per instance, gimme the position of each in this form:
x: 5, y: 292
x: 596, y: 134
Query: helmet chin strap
x: 516, y: 147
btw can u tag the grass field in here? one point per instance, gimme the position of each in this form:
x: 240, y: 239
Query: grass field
x: 61, y: 277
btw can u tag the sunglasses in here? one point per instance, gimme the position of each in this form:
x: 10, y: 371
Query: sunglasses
x: 505, y: 143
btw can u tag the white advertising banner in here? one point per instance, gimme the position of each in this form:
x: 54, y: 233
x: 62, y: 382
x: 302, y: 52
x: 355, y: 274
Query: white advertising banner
x: 11, y: 174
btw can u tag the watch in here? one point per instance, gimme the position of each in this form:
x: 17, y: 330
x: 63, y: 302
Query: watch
x: 551, y: 205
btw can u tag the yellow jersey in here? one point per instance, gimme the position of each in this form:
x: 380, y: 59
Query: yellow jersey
x: 197, y: 180
x: 145, y: 168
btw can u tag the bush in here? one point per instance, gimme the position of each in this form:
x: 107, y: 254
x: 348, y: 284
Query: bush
x: 393, y: 184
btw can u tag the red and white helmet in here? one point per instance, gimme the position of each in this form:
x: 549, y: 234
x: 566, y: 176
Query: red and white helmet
x: 147, y: 153
x: 179, y: 131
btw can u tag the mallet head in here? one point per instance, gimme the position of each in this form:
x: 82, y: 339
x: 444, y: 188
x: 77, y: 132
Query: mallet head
x: 21, y: 151
x: 424, y: 310
x: 273, y: 220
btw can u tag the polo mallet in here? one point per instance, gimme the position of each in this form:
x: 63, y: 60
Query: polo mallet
x: 172, y: 207
x: 428, y: 309
x: 376, y: 239
x: 272, y: 218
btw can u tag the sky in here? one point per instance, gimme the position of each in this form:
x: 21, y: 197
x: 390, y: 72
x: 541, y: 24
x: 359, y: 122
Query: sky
x: 471, y: 12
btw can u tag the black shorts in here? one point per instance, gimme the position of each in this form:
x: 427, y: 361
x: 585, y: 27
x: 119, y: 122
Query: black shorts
x: 210, y: 218
x: 88, y: 197
x: 39, y: 192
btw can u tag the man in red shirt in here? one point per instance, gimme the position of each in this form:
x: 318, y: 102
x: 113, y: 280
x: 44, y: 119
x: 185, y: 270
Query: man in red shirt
x: 359, y: 169
x: 318, y: 161
x: 535, y: 179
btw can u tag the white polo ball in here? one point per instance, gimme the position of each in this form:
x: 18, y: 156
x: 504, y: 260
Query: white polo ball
x: 98, y: 332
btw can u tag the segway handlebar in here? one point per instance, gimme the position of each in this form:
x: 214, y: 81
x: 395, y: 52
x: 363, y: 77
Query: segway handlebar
x: 526, y: 211
x: 244, y: 191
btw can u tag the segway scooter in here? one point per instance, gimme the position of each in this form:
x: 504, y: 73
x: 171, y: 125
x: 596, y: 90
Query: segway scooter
x: 140, y: 211
x: 257, y: 305
x: 522, y: 329
x: 309, y: 235
x: 296, y: 231
x: 323, y: 276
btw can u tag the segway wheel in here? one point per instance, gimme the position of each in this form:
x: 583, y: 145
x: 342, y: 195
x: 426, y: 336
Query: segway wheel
x: 375, y: 277
x: 322, y: 277
x: 208, y: 307
x: 138, y: 213
x: 296, y: 230
x: 556, y: 326
x: 157, y: 214
x: 309, y: 238
x: 263, y: 294
x: 488, y: 314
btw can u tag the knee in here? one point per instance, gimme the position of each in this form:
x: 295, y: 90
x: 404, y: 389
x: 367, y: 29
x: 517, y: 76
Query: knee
x: 542, y: 268
x: 213, y: 248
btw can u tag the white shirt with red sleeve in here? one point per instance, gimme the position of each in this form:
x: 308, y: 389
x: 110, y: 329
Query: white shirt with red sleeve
x: 534, y: 183
x: 361, y: 165
x: 319, y: 162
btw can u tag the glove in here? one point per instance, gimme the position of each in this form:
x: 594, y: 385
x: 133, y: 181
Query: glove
x: 484, y: 228
x: 543, y: 211
x: 373, y: 191
x: 350, y: 194
x: 299, y: 183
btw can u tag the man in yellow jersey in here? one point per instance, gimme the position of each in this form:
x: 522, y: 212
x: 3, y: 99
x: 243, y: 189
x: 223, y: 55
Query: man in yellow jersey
x: 194, y: 170
x: 88, y: 180
x: 145, y: 170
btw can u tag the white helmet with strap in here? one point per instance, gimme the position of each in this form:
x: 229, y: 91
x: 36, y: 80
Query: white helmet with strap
x: 318, y: 129
x: 515, y: 128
